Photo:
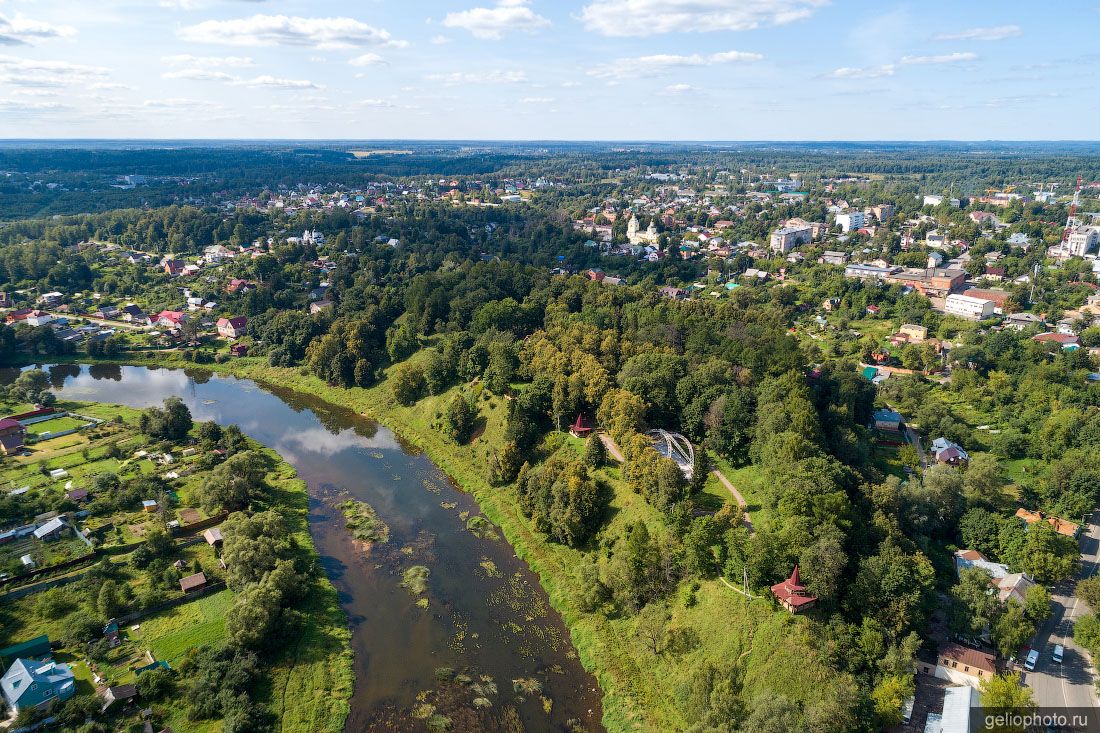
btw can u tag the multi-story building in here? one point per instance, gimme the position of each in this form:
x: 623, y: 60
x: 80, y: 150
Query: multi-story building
x: 964, y: 306
x: 785, y: 239
x: 932, y: 282
x: 851, y: 220
x: 1082, y: 240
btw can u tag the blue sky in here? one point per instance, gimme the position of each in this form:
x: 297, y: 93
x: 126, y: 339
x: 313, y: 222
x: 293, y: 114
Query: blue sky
x: 550, y: 69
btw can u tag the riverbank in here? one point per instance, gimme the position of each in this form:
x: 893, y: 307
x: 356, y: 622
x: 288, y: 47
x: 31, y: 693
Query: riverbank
x: 643, y: 690
x: 307, y: 683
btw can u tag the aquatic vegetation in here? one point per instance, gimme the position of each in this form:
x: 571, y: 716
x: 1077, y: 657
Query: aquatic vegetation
x: 422, y: 603
x: 415, y: 579
x: 448, y: 504
x: 482, y: 527
x: 490, y: 568
x: 431, y: 486
x: 376, y: 454
x: 363, y: 522
x: 527, y: 686
x: 439, y: 723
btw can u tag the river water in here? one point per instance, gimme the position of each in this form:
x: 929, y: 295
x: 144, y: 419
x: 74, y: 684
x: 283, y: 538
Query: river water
x: 486, y: 618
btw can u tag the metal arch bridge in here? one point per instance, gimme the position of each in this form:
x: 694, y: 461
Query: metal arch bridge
x: 676, y: 447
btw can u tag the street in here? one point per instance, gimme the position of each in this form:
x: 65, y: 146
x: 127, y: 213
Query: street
x: 1069, y: 684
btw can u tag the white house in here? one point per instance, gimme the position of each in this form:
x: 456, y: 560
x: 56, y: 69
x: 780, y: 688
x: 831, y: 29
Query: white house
x: 851, y: 220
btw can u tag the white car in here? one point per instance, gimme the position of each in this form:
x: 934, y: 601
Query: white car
x: 1032, y: 660
x: 1058, y: 652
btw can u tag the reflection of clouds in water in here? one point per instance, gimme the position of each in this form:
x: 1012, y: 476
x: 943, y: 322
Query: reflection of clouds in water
x: 321, y: 441
x: 148, y: 387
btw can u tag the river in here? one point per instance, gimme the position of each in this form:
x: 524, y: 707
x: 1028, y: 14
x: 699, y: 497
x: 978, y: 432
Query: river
x: 487, y: 616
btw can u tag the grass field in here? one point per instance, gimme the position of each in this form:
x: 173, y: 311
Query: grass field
x: 56, y: 425
x: 170, y: 634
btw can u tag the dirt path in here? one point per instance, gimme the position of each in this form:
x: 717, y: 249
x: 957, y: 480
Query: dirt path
x: 612, y: 447
x: 737, y: 497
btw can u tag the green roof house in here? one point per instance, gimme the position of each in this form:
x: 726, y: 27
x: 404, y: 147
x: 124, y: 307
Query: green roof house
x: 31, y: 684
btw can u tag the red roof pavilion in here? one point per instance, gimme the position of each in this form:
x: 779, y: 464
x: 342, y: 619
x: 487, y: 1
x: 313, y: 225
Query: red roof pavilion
x: 792, y: 595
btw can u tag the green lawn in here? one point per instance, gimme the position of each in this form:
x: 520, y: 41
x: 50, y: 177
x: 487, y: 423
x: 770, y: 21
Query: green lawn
x: 170, y: 634
x: 56, y: 425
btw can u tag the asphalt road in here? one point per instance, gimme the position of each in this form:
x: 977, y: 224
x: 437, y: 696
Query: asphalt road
x: 1069, y: 684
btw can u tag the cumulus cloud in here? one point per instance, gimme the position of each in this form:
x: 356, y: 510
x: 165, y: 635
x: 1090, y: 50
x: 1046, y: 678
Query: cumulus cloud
x: 675, y: 90
x: 652, y: 17
x: 198, y: 75
x: 282, y: 30
x: 19, y: 30
x: 943, y: 58
x: 273, y: 82
x: 488, y: 77
x: 376, y: 103
x: 27, y: 72
x: 662, y: 63
x: 865, y: 72
x: 367, y: 59
x: 184, y: 59
x: 994, y: 33
x: 493, y: 23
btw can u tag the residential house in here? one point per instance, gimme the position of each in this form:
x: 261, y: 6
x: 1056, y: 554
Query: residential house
x: 673, y: 293
x: 1065, y: 340
x: 792, y: 595
x: 785, y: 239
x: 832, y: 257
x: 17, y: 316
x: 77, y: 495
x: 964, y: 666
x: 320, y: 306
x: 1061, y: 526
x: 946, y: 451
x: 171, y: 319
x: 29, y: 684
x: 232, y: 328
x: 238, y: 350
x: 38, y: 318
x: 133, y: 314
x: 173, y: 267
x: 236, y: 285
x: 1023, y: 321
x: 12, y: 436
x: 213, y: 537
x: 581, y: 427
x: 888, y: 420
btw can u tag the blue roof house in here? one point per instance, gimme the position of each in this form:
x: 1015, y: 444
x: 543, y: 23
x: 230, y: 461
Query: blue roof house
x: 31, y: 684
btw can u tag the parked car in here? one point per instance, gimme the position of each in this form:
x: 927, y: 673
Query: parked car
x: 1032, y: 660
x: 1059, y: 651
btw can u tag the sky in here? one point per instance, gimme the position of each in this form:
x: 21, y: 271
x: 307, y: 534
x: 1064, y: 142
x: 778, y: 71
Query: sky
x: 550, y: 69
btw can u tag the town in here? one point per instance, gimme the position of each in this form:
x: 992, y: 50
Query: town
x: 655, y: 336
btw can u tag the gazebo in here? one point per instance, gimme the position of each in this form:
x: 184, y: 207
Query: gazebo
x: 581, y: 427
x: 792, y: 595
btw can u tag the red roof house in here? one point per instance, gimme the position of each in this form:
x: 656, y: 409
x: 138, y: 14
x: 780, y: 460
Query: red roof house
x: 232, y: 328
x: 792, y: 595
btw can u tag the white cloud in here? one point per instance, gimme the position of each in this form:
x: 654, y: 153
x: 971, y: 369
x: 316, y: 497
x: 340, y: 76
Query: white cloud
x: 28, y: 72
x: 108, y: 86
x: 179, y: 103
x: 537, y: 100
x: 28, y: 106
x: 282, y: 30
x: 867, y: 72
x: 995, y: 33
x: 273, y: 82
x: 376, y: 103
x: 208, y: 61
x: 651, y: 17
x: 368, y: 59
x: 440, y: 40
x: 663, y: 63
x: 675, y: 90
x: 20, y: 30
x: 943, y: 58
x: 493, y: 23
x: 488, y: 77
x: 198, y: 75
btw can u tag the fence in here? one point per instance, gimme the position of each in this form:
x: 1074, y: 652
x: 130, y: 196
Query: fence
x: 171, y: 603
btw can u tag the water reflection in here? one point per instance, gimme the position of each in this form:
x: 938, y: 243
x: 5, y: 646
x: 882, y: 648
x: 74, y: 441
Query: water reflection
x: 485, y: 611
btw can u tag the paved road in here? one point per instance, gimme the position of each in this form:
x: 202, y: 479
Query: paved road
x: 1069, y: 684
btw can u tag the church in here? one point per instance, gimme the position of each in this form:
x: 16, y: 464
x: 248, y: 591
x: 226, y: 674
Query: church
x: 634, y: 236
